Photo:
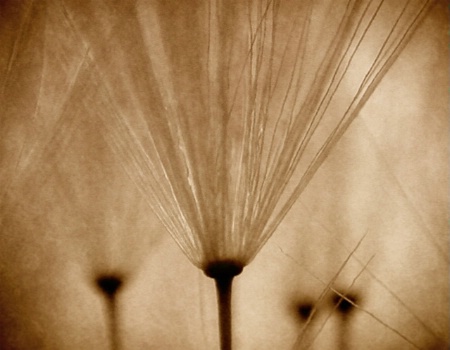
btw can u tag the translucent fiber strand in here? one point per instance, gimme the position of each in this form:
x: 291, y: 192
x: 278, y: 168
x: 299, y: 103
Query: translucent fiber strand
x: 222, y: 111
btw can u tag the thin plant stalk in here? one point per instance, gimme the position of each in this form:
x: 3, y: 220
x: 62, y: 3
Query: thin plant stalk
x: 110, y: 286
x: 113, y: 323
x: 223, y: 273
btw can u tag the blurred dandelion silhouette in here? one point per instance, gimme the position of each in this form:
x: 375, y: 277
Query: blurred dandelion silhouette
x: 109, y: 286
x: 222, y: 111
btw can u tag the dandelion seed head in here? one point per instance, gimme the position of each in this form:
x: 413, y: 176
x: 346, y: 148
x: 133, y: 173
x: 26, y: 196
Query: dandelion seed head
x: 222, y: 117
x: 226, y: 268
x: 109, y: 284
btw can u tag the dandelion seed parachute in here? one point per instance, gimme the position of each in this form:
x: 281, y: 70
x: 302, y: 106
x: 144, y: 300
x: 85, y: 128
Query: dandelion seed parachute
x: 221, y: 123
x: 221, y: 112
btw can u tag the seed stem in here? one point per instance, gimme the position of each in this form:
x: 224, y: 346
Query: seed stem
x: 223, y: 273
x: 113, y: 324
x: 110, y: 286
x: 223, y: 289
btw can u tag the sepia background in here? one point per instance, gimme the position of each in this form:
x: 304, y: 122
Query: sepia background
x: 371, y: 225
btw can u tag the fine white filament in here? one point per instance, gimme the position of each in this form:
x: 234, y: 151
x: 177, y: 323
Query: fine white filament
x: 222, y: 111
